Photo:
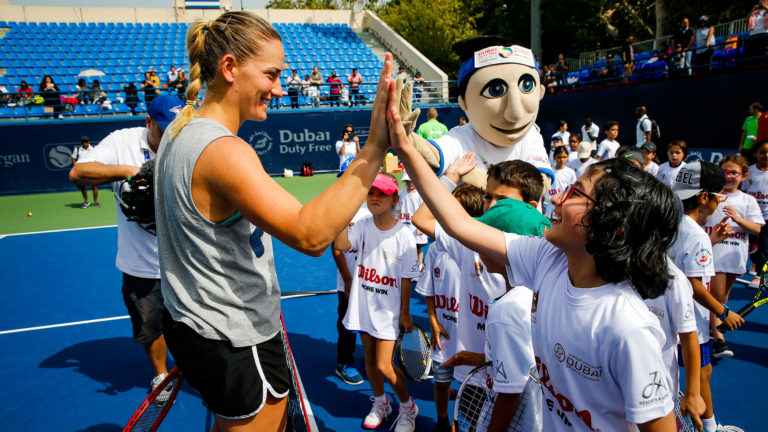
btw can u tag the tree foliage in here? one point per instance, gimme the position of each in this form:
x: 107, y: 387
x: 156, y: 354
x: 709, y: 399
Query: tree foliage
x: 310, y: 4
x: 432, y: 27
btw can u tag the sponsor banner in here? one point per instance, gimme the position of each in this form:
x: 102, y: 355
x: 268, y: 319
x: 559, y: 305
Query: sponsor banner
x: 35, y: 156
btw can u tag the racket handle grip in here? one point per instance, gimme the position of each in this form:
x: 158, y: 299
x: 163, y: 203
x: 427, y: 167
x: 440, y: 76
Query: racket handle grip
x: 744, y: 311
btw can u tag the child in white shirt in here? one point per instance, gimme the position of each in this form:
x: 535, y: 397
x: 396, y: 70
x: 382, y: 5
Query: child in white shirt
x: 648, y: 149
x: 585, y: 308
x: 608, y: 147
x: 380, y: 297
x: 564, y: 177
x: 677, y: 151
x: 742, y: 213
x: 440, y: 284
x: 409, y: 202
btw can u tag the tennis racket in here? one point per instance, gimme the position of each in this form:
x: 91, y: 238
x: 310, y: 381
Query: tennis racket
x: 154, y: 408
x: 684, y: 423
x: 760, y: 299
x: 413, y: 352
x: 300, y: 418
x: 476, y: 397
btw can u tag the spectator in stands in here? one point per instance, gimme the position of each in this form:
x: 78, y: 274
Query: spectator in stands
x: 153, y: 76
x: 131, y: 96
x: 432, y: 129
x: 79, y: 151
x: 96, y: 94
x: 173, y: 74
x: 293, y: 84
x: 561, y: 70
x: 611, y: 69
x: 345, y: 96
x: 51, y: 97
x: 401, y: 74
x: 756, y: 43
x: 643, y: 126
x: 418, y: 86
x: 25, y: 94
x: 335, y: 89
x: 705, y: 42
x: 548, y: 77
x: 151, y: 89
x: 180, y: 83
x: 316, y: 79
x: 749, y: 132
x: 82, y: 91
x: 677, y: 62
x: 686, y: 38
x: 628, y: 50
x: 305, y: 88
x: 589, y: 132
x: 354, y: 79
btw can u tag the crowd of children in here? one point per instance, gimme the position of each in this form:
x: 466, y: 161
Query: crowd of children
x: 622, y: 267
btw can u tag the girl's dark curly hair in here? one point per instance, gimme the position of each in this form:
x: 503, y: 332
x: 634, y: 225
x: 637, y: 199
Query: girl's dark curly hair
x: 631, y: 226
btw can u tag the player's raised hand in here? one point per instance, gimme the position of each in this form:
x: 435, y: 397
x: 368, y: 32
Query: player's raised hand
x: 378, y: 135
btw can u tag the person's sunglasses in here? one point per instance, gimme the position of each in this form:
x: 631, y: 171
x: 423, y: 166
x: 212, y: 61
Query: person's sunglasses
x: 571, y: 189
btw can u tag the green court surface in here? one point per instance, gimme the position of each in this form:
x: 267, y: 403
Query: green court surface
x: 61, y: 210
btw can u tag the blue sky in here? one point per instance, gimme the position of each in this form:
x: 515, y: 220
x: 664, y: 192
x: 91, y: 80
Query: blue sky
x: 247, y: 4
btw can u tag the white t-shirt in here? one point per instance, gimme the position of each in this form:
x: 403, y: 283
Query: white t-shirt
x: 384, y: 259
x: 350, y: 150
x: 440, y: 279
x: 463, y: 139
x: 407, y: 206
x: 350, y: 255
x: 477, y: 289
x: 692, y: 254
x: 757, y: 186
x: 607, y: 149
x: 667, y: 174
x: 594, y: 130
x: 564, y: 136
x: 674, y: 310
x: 508, y: 345
x: 731, y: 254
x: 597, y: 350
x: 563, y: 178
x: 583, y: 166
x: 641, y: 128
x: 81, y: 151
x: 652, y: 168
x: 136, y: 248
x: 573, y: 160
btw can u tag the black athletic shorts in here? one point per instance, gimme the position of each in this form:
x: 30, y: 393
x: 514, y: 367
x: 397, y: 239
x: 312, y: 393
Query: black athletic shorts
x: 232, y: 381
x: 144, y: 301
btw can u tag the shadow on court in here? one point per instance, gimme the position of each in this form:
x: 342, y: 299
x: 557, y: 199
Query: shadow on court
x: 117, y: 363
x: 102, y: 428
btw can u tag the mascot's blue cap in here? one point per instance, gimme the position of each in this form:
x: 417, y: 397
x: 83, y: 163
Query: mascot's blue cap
x: 498, y: 55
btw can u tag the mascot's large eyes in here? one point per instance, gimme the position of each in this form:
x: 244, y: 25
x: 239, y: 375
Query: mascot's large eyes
x: 527, y: 83
x: 495, y: 88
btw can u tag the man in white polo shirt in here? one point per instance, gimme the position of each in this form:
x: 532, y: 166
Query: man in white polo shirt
x: 643, y: 127
x: 118, y: 157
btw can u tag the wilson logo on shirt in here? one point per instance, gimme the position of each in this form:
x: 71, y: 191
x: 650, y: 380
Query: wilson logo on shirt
x: 564, y: 404
x: 370, y: 275
x: 702, y: 257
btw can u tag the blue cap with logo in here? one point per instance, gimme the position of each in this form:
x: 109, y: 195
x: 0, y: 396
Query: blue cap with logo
x: 163, y: 109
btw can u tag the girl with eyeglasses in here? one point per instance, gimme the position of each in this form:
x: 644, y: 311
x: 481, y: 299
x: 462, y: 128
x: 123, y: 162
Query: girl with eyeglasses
x: 745, y: 218
x: 596, y: 344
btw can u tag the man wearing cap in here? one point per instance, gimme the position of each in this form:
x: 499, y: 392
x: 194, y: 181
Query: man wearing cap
x: 499, y: 90
x: 118, y: 157
x: 82, y: 150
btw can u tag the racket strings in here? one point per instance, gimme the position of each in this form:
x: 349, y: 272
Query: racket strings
x: 297, y: 418
x: 156, y: 406
x: 414, y: 354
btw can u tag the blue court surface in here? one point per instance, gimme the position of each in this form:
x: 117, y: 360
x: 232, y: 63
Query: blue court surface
x: 88, y: 375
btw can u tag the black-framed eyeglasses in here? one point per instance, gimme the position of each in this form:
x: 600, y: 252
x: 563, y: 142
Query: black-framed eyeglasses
x: 571, y: 189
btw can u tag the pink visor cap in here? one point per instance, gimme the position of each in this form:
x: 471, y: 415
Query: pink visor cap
x: 385, y: 184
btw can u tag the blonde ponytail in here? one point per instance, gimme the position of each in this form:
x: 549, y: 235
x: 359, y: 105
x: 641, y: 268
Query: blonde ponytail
x: 238, y: 33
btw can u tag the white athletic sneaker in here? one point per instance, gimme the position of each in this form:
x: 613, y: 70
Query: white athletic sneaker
x: 379, y: 412
x: 406, y: 419
x: 161, y: 398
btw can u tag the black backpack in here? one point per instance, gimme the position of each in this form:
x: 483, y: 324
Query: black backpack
x: 655, y: 133
x: 307, y: 170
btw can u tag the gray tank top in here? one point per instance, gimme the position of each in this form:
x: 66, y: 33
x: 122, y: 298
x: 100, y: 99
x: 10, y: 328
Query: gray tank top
x: 219, y: 279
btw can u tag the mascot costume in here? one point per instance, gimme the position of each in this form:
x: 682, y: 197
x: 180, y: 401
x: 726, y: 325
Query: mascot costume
x: 499, y: 90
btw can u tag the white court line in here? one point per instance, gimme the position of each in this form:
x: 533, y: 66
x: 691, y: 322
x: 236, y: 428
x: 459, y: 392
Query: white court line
x: 63, y: 324
x: 55, y: 231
